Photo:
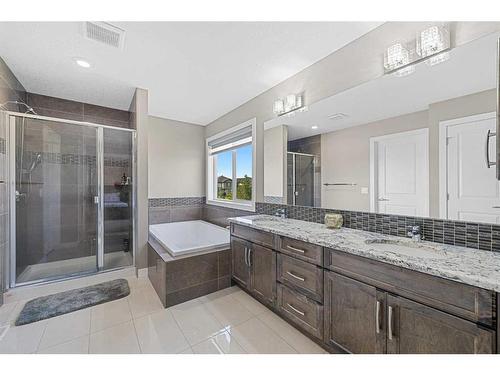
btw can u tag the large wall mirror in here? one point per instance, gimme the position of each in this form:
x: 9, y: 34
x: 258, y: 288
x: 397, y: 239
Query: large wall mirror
x: 406, y: 145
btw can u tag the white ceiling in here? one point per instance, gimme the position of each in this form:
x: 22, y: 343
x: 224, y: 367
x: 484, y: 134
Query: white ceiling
x: 195, y: 72
x: 470, y: 69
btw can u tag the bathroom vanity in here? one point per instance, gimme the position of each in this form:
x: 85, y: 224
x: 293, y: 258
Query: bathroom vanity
x: 354, y: 291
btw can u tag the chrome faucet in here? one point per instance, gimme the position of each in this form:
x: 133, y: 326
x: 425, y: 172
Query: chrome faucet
x: 281, y: 213
x: 415, y: 233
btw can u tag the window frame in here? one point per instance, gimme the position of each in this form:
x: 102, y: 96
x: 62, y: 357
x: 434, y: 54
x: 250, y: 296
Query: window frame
x: 211, y: 181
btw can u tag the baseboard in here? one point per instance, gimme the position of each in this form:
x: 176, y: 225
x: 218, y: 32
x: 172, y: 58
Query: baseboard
x: 142, y: 273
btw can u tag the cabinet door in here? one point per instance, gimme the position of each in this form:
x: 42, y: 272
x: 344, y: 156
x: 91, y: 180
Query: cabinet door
x: 240, y: 270
x: 263, y: 271
x: 354, y: 315
x: 413, y: 328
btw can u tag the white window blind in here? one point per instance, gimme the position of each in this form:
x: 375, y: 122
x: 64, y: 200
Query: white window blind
x: 231, y: 141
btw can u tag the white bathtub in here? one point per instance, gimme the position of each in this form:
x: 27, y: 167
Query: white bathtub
x: 190, y: 237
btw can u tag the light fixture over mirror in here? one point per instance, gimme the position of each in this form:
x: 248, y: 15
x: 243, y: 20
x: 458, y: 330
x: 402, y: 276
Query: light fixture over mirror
x: 432, y: 45
x: 289, y: 105
x: 396, y: 58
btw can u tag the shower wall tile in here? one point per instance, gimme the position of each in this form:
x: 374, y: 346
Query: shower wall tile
x: 77, y: 111
x: 54, y: 104
x: 96, y: 111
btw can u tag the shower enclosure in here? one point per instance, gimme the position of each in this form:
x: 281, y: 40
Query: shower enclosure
x: 301, y: 179
x: 71, y: 198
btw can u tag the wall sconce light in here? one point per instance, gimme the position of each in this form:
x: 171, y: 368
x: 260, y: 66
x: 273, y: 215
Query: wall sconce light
x: 289, y: 105
x: 397, y: 59
x: 432, y: 45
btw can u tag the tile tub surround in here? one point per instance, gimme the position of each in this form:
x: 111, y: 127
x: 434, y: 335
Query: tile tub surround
x: 459, y: 233
x: 473, y: 267
x: 177, y: 280
x: 167, y: 210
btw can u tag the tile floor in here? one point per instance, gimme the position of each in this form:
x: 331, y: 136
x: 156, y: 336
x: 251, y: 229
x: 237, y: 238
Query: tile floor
x: 225, y: 322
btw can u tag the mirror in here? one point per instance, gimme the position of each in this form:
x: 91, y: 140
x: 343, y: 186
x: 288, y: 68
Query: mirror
x: 412, y: 145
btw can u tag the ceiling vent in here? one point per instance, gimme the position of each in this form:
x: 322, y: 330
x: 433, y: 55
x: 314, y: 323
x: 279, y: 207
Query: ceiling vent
x: 105, y: 33
x: 337, y: 116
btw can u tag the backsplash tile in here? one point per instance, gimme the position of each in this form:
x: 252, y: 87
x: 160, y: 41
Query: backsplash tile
x: 472, y: 235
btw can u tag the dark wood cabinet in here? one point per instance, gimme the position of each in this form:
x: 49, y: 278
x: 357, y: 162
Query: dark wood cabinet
x: 353, y: 304
x: 240, y: 269
x: 413, y: 328
x: 363, y: 319
x: 263, y: 273
x: 254, y: 268
x: 354, y: 315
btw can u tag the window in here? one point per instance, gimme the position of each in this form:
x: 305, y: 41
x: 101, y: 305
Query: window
x: 231, y: 166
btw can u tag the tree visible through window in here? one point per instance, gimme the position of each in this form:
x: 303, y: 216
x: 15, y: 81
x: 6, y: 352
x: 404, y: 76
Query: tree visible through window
x: 244, y: 173
x: 242, y: 157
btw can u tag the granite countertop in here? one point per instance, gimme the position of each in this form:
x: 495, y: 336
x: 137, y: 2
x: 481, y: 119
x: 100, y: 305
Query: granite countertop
x: 474, y: 267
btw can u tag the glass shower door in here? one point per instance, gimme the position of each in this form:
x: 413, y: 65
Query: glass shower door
x: 56, y: 210
x: 118, y: 197
x: 304, y: 180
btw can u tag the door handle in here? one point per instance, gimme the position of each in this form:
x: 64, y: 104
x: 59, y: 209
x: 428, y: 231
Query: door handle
x: 377, y: 317
x: 246, y: 256
x: 389, y: 324
x: 383, y: 199
x: 489, y: 163
x: 249, y: 257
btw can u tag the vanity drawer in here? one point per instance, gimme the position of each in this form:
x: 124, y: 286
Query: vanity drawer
x: 253, y: 235
x: 306, y: 277
x: 304, y: 312
x: 469, y: 302
x: 301, y: 250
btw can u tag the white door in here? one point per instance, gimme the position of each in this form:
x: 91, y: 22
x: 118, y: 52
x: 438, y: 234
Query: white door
x: 400, y: 173
x: 473, y: 190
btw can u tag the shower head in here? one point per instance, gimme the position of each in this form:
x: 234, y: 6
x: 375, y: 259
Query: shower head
x: 35, y: 162
x: 28, y: 108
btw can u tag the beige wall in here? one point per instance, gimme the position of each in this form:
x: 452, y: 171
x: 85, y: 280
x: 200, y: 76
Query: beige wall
x: 345, y: 157
x: 139, y: 121
x: 346, y: 153
x: 176, y: 159
x: 356, y: 63
x: 275, y: 145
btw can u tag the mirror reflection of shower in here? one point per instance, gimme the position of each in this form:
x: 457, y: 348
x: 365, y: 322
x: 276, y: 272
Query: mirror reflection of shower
x: 304, y: 171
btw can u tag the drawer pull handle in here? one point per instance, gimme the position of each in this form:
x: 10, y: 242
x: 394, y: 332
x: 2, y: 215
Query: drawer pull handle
x: 389, y: 324
x: 296, y: 310
x: 295, y: 249
x: 295, y: 276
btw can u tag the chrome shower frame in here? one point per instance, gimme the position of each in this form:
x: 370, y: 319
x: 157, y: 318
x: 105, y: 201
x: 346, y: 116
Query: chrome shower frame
x: 11, y: 161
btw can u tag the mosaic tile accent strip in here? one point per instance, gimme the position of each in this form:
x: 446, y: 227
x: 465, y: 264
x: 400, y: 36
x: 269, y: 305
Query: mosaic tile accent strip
x: 472, y: 235
x: 180, y: 201
x: 75, y: 159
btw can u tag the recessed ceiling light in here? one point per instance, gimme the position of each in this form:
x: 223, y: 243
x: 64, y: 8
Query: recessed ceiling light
x: 314, y: 127
x: 82, y: 63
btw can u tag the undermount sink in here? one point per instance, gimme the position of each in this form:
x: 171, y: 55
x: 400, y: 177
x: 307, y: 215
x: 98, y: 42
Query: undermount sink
x: 414, y: 249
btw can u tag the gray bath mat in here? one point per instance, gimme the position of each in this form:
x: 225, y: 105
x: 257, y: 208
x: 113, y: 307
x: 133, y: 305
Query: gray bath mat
x: 72, y: 300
